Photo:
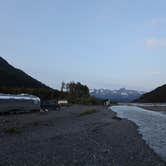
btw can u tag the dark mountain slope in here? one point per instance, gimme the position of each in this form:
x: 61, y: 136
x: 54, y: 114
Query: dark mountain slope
x: 12, y: 77
x: 155, y: 96
x: 14, y: 81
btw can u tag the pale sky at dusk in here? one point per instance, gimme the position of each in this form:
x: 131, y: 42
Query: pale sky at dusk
x: 101, y: 43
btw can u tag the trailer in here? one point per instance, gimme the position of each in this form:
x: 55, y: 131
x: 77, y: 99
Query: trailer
x: 18, y: 103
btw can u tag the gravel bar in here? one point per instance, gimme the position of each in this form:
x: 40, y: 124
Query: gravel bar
x: 66, y: 138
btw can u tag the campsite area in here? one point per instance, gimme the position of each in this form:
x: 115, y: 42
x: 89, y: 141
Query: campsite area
x: 75, y: 135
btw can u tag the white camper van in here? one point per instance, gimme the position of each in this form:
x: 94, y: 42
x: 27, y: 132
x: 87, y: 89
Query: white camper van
x: 18, y: 103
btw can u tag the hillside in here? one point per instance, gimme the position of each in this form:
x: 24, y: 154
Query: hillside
x: 13, y: 80
x: 156, y: 96
x: 16, y: 78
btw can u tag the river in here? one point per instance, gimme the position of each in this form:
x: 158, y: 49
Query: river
x: 152, y: 126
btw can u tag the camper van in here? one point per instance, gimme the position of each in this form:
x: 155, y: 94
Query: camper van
x: 18, y: 103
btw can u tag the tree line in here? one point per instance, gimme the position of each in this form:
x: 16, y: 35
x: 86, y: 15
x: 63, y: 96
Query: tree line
x: 74, y: 92
x: 77, y: 93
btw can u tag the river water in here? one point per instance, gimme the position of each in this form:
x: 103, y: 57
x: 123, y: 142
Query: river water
x: 152, y: 126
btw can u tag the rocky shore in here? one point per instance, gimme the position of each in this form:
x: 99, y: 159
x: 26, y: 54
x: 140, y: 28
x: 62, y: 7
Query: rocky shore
x: 73, y: 136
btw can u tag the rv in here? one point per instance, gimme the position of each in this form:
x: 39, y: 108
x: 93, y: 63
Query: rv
x: 18, y: 103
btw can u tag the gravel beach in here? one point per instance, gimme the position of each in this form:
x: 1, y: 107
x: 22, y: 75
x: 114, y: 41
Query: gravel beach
x: 71, y: 137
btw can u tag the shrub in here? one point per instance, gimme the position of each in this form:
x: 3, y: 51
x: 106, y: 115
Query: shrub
x: 13, y: 130
x: 88, y: 112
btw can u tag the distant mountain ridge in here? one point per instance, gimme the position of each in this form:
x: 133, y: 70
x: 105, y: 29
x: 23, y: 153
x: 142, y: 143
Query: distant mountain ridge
x: 158, y: 95
x: 121, y: 95
x: 11, y: 77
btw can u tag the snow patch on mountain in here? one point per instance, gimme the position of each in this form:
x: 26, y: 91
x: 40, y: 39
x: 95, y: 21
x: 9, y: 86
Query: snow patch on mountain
x: 119, y: 95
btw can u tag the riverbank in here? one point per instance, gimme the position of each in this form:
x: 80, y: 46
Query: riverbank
x: 151, y: 126
x: 160, y: 107
x: 155, y: 108
x: 77, y: 135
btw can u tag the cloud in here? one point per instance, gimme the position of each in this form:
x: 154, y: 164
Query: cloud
x: 155, y: 43
x: 158, y: 21
x: 154, y: 73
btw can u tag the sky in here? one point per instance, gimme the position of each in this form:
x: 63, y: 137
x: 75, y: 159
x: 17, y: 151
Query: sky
x: 102, y: 43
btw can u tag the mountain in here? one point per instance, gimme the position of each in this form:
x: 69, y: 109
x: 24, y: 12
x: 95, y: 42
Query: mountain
x: 12, y: 77
x: 156, y: 96
x: 121, y: 95
x: 15, y: 81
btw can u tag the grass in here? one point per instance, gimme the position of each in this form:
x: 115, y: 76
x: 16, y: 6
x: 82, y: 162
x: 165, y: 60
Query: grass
x: 88, y: 112
x: 13, y: 130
